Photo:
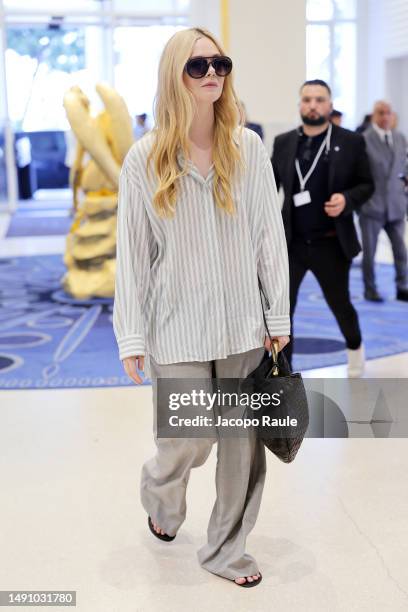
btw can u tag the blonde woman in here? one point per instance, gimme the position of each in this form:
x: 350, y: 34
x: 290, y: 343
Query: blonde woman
x: 198, y: 223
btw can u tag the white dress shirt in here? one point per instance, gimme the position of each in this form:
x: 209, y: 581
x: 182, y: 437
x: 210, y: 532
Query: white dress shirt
x: 187, y: 287
x: 382, y: 133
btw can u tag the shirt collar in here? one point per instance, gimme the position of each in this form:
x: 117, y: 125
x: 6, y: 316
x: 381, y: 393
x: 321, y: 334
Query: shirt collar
x: 382, y: 133
x: 192, y: 169
x: 301, y: 132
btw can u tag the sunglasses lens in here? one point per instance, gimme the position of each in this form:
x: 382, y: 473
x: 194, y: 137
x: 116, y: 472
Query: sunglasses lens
x: 222, y: 65
x: 197, y: 68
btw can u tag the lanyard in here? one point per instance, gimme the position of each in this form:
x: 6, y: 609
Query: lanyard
x: 325, y: 144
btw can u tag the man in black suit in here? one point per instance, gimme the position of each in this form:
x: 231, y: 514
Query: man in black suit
x: 325, y: 174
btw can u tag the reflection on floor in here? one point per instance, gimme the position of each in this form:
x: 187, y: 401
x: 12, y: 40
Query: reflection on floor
x: 332, y: 534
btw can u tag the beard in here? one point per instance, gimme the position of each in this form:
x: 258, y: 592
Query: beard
x: 319, y: 120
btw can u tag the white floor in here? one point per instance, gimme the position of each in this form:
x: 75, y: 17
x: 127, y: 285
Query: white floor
x: 332, y: 534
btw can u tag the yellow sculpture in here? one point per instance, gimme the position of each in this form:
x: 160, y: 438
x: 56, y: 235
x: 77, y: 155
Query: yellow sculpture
x: 103, y: 142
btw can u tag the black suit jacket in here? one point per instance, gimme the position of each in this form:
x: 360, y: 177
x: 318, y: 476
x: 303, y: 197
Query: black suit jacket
x: 349, y: 174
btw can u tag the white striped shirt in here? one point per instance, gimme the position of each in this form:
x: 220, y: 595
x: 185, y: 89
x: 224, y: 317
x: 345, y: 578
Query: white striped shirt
x: 187, y: 287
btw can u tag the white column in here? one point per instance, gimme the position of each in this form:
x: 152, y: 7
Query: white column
x: 267, y: 43
x: 206, y: 14
x: 268, y: 47
x: 370, y: 55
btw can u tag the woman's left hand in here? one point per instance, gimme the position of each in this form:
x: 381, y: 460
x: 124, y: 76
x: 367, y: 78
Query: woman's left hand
x: 281, y: 340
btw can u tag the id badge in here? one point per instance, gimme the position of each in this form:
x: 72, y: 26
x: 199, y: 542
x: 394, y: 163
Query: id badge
x: 302, y: 198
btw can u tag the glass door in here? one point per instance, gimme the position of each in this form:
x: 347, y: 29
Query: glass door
x: 43, y: 54
x: 43, y: 61
x: 8, y: 188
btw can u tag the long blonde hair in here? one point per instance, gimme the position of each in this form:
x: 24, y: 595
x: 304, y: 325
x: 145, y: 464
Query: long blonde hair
x: 174, y: 111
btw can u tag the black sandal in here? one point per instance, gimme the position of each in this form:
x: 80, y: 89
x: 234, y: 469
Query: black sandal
x: 165, y: 537
x: 247, y: 584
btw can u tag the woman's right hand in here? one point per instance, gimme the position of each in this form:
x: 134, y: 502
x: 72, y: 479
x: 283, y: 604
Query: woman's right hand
x: 131, y: 365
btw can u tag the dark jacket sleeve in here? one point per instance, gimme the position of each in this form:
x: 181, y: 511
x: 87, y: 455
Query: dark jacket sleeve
x: 274, y: 162
x: 364, y: 184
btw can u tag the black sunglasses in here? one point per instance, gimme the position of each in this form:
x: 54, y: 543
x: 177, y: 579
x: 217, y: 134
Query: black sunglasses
x: 197, y: 67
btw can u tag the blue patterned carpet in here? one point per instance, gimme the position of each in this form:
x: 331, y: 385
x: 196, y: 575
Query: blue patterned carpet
x: 48, y: 340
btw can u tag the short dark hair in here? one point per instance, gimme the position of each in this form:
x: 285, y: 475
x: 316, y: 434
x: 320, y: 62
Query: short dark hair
x: 317, y: 82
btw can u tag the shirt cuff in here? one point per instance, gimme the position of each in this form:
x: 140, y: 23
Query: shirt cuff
x: 130, y: 346
x: 278, y: 325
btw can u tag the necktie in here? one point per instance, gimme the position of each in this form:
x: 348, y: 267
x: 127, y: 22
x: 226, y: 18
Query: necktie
x: 387, y: 140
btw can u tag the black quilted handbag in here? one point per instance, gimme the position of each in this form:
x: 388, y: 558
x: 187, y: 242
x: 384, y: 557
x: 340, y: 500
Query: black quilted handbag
x: 273, y: 376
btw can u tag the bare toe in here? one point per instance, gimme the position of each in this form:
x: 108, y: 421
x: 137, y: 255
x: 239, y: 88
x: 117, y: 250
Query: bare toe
x: 157, y: 529
x: 240, y: 580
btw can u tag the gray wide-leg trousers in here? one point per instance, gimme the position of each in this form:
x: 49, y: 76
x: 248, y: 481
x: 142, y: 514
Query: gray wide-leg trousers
x: 240, y: 474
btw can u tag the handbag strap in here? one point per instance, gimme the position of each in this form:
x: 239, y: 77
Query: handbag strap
x: 274, y: 351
